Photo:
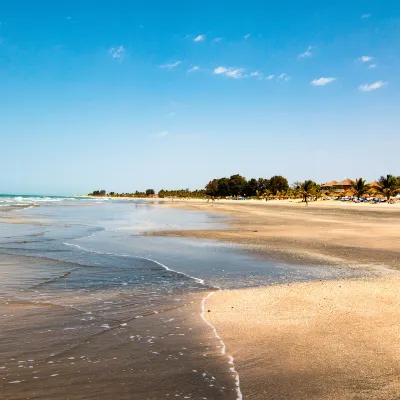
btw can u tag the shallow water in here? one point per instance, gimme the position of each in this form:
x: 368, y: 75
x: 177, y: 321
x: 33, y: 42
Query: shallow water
x: 90, y: 308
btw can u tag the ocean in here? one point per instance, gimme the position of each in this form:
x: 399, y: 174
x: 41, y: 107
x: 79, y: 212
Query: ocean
x: 92, y: 308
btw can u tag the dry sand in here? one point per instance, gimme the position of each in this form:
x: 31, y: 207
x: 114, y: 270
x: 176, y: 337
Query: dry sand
x: 317, y: 340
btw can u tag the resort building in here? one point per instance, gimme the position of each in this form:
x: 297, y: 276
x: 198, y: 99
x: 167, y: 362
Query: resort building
x: 343, y: 187
x: 337, y: 187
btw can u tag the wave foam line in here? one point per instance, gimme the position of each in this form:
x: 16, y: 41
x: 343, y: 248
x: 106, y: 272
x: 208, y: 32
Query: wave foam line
x: 198, y: 280
x: 239, y: 395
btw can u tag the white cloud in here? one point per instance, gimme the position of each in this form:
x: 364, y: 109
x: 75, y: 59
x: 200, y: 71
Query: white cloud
x: 322, y: 81
x: 284, y: 77
x: 307, y: 53
x: 365, y: 59
x: 372, y: 86
x: 247, y: 36
x: 363, y: 16
x: 117, y: 52
x: 171, y: 65
x: 256, y: 74
x: 235, y: 73
x: 372, y: 66
x: 199, y: 38
x: 194, y: 68
x: 162, y: 134
x: 220, y: 70
x: 270, y: 77
x: 217, y: 39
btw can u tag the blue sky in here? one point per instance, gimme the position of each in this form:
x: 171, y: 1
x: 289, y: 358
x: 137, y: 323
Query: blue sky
x: 128, y: 95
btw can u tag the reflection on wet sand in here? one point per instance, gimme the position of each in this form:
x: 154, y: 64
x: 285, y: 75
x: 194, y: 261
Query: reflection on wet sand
x: 60, y: 340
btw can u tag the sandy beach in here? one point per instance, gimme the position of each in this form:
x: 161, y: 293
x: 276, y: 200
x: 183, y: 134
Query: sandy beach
x: 319, y: 340
x: 325, y: 232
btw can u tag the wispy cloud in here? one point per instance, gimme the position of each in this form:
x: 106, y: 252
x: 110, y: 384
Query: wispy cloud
x: 199, y: 38
x: 256, y: 74
x: 240, y: 73
x: 217, y: 39
x: 372, y: 66
x: 365, y: 59
x: 117, y: 52
x: 171, y: 65
x: 371, y: 86
x: 161, y: 134
x: 306, y: 54
x: 194, y: 68
x: 220, y: 70
x: 235, y: 73
x: 322, y: 81
x: 247, y: 36
x: 363, y: 16
x: 284, y: 77
x: 230, y: 72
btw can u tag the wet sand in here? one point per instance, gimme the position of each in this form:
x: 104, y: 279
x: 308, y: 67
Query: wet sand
x: 328, y: 340
x: 109, y: 343
x: 325, y: 232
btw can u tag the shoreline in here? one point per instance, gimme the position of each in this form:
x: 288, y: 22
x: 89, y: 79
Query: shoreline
x: 324, y: 233
x: 334, y: 339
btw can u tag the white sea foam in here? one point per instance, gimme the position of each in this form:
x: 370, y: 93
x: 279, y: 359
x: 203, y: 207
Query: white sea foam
x: 235, y: 374
x: 24, y: 202
x: 201, y: 281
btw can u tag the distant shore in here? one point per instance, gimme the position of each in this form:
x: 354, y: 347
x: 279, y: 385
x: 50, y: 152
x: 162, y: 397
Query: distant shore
x: 330, y: 340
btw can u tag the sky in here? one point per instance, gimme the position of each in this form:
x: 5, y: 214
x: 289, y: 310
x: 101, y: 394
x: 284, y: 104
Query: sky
x: 129, y: 95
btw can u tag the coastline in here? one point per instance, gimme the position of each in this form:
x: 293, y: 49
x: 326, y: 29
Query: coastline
x: 324, y: 233
x: 333, y: 339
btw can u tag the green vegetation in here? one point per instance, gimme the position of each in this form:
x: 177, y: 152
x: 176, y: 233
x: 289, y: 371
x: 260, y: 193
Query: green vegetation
x: 360, y: 188
x: 307, y: 189
x: 276, y: 187
x: 388, y: 186
x: 238, y: 186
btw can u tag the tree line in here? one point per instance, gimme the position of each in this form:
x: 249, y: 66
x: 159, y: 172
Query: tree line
x: 278, y: 187
x: 238, y: 185
x: 265, y: 188
x: 181, y: 193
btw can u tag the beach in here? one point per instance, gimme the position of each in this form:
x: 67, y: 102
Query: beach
x: 319, y: 340
x: 276, y: 301
x: 335, y: 339
x: 325, y: 232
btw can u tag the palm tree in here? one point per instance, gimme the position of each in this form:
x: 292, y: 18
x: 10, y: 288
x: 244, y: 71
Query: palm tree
x: 259, y: 194
x: 388, y: 186
x: 296, y: 187
x: 307, y: 189
x: 267, y: 194
x: 359, y: 188
x: 318, y: 192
